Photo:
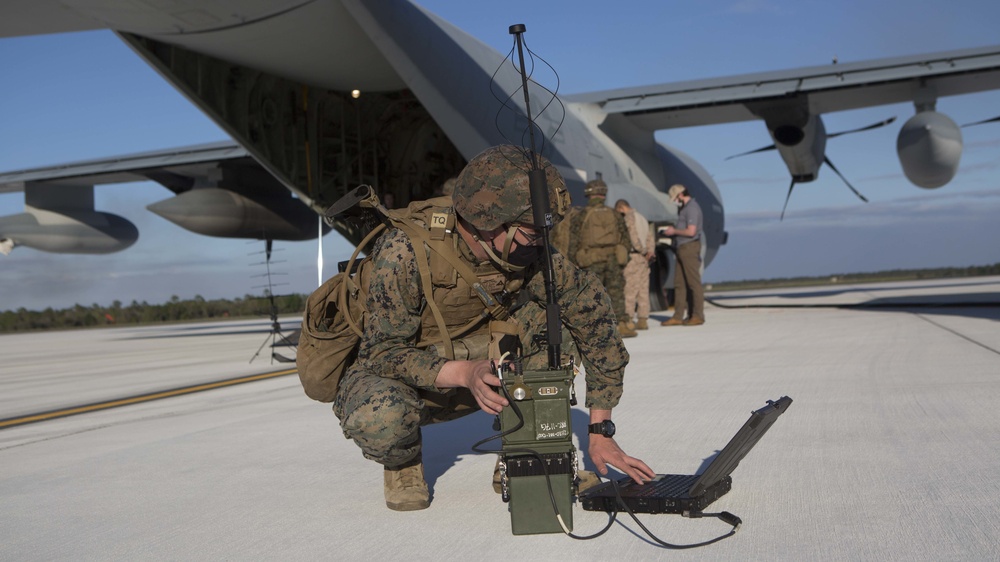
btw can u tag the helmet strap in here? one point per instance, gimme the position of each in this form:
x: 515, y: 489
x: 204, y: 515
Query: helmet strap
x: 502, y: 262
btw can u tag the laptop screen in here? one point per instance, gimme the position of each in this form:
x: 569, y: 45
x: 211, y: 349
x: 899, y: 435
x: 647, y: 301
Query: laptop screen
x: 741, y: 443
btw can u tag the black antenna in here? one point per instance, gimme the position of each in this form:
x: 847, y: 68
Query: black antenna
x: 542, y: 212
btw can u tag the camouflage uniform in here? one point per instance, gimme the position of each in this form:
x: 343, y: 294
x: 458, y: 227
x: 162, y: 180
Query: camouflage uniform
x: 560, y: 233
x: 389, y: 392
x: 607, y: 269
x: 637, y: 268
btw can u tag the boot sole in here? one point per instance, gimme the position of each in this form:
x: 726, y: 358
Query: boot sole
x: 415, y: 505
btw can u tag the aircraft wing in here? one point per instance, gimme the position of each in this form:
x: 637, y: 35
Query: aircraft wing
x: 828, y: 88
x: 220, y: 190
x: 177, y: 169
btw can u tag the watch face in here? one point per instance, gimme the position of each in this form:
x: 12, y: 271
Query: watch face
x: 605, y: 428
x: 609, y: 428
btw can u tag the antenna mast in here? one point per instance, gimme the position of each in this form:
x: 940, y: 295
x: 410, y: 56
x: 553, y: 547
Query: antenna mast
x: 542, y: 212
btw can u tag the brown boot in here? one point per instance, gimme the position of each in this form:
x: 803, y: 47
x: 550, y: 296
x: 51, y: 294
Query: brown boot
x: 405, y: 487
x: 625, y: 331
x: 641, y: 324
x: 672, y: 321
x: 694, y: 321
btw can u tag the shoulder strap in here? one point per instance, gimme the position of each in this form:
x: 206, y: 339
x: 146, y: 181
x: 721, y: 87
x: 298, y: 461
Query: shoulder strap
x: 419, y: 237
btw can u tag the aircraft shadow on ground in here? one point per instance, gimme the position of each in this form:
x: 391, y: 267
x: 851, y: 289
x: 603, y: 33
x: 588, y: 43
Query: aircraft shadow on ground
x: 831, y: 292
x: 968, y: 305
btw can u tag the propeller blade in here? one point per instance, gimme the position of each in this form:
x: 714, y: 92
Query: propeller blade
x: 761, y: 149
x: 834, y: 168
x: 867, y: 128
x: 787, y: 197
x: 993, y: 120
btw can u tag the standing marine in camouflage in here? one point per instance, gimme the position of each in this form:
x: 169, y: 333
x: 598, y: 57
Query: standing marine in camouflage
x: 641, y: 253
x: 399, y: 384
x: 599, y: 242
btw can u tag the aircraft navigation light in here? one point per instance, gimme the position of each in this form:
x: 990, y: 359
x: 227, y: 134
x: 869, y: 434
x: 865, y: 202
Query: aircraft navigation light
x: 355, y: 94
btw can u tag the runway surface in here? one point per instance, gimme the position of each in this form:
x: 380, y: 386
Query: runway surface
x: 889, y: 451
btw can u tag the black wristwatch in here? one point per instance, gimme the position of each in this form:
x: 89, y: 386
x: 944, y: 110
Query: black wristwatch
x: 605, y: 428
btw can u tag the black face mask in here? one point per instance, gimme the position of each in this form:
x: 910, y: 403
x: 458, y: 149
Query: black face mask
x: 512, y: 261
x: 524, y: 256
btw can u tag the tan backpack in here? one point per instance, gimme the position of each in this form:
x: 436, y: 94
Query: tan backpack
x: 600, y: 227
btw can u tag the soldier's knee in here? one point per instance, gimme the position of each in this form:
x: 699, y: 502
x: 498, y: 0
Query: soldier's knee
x: 378, y: 413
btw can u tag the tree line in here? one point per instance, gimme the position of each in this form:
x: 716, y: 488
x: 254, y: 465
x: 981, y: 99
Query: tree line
x: 250, y: 306
x: 136, y: 313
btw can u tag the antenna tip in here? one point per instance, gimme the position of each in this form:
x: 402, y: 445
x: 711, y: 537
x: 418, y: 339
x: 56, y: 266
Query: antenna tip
x: 516, y: 28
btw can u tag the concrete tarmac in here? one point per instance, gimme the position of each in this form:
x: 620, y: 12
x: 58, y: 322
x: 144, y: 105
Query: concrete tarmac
x: 889, y: 451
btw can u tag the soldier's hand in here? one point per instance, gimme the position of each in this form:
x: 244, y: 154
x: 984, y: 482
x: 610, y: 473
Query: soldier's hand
x: 478, y: 377
x: 604, y: 451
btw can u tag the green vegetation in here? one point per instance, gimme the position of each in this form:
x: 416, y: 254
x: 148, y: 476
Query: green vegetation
x: 848, y: 278
x: 138, y: 313
x: 249, y: 306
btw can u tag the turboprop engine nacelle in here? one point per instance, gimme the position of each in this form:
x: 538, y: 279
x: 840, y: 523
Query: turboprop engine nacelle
x: 68, y: 231
x: 929, y: 147
x: 227, y: 214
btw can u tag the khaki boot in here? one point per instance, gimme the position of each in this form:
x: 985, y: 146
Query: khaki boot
x: 625, y: 331
x: 405, y: 487
x: 641, y: 324
x: 672, y: 321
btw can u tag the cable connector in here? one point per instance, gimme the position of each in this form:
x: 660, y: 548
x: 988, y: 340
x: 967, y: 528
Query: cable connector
x: 731, y: 519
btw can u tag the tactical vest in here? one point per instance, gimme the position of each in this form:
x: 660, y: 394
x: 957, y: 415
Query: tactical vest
x: 457, y: 302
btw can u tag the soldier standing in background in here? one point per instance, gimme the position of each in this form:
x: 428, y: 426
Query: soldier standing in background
x: 598, y: 242
x: 641, y: 253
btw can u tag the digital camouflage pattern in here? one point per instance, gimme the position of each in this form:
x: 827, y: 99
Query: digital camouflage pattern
x: 493, y: 190
x: 389, y: 392
x: 607, y: 269
x: 595, y: 187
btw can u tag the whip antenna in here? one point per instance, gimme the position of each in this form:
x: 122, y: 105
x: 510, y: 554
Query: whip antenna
x: 542, y: 214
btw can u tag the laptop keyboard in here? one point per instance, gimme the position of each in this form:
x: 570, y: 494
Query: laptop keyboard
x: 670, y: 485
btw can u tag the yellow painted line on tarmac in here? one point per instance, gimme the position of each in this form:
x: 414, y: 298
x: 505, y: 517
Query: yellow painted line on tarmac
x: 63, y: 412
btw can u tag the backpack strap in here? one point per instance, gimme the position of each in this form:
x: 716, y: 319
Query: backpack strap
x: 351, y: 287
x: 420, y: 237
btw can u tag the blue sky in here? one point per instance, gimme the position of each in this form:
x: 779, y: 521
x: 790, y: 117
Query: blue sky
x: 85, y: 95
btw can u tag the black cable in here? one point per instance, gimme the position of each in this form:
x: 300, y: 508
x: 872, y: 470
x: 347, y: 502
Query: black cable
x: 897, y: 305
x: 613, y: 515
x: 724, y: 516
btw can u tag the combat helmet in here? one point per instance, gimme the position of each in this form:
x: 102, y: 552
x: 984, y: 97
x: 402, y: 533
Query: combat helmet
x: 492, y: 189
x: 596, y: 187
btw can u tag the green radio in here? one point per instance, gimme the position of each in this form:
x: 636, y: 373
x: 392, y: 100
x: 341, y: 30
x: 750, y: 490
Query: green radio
x: 538, y: 463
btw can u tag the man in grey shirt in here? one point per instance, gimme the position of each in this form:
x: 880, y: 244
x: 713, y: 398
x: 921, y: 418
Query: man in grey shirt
x: 687, y: 245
